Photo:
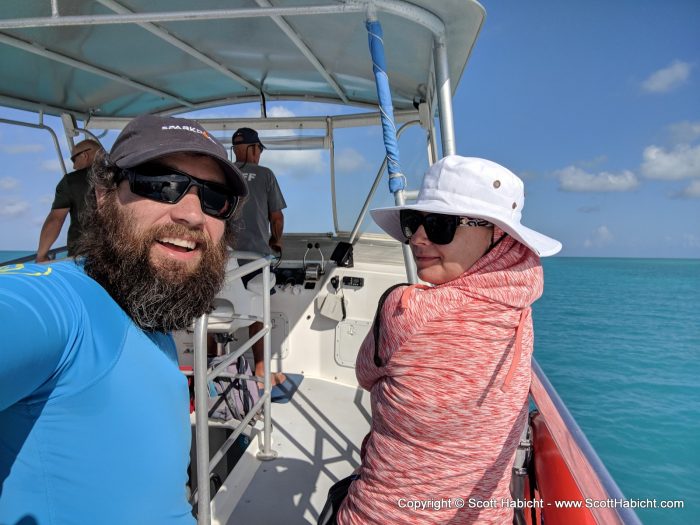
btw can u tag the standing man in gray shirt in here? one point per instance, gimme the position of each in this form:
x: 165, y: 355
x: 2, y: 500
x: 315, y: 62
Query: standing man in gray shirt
x: 261, y: 222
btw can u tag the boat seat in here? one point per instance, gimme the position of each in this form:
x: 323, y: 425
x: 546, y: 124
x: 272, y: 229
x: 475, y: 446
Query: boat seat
x: 236, y: 306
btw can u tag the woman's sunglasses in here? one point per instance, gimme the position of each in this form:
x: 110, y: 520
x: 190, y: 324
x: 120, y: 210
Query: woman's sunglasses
x: 439, y: 228
x: 165, y: 184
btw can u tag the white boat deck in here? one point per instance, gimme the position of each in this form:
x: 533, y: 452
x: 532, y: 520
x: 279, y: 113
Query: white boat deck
x: 317, y: 436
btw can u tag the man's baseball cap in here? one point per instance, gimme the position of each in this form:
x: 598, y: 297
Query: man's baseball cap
x: 246, y: 136
x: 150, y: 137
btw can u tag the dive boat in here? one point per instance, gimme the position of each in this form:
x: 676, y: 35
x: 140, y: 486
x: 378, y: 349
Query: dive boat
x: 99, y: 63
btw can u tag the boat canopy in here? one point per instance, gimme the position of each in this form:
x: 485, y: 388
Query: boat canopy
x: 109, y: 59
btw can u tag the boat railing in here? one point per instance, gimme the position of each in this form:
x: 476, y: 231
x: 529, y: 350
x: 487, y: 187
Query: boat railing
x: 589, y: 473
x: 202, y: 375
x: 54, y: 254
x: 44, y: 127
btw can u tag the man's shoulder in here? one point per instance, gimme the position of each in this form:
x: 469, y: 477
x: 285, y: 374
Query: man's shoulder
x: 76, y: 174
x: 41, y: 269
x: 45, y: 276
x: 79, y: 176
x: 74, y: 181
x: 265, y: 169
x: 60, y: 286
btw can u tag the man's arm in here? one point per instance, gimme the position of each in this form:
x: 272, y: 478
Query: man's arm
x: 276, y: 227
x: 49, y: 232
x: 35, y: 323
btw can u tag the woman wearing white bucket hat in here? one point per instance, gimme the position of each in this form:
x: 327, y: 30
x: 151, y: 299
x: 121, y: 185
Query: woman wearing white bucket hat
x: 473, y: 187
x: 448, y: 365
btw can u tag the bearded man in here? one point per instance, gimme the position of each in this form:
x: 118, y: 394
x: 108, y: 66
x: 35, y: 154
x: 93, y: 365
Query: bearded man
x: 94, y: 423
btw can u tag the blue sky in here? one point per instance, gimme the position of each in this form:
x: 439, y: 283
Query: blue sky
x: 596, y: 105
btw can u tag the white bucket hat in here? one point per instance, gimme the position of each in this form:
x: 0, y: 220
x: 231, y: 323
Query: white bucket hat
x: 471, y: 187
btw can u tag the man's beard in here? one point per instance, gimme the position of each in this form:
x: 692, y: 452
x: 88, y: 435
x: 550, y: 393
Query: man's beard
x: 158, y: 299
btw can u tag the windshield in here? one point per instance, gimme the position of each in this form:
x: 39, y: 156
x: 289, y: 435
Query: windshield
x: 358, y: 156
x: 304, y: 175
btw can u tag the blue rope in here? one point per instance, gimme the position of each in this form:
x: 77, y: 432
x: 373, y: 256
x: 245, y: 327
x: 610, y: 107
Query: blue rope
x: 397, y: 181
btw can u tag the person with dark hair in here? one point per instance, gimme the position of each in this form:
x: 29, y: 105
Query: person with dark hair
x: 94, y: 419
x: 71, y: 194
x: 259, y: 227
x: 448, y: 363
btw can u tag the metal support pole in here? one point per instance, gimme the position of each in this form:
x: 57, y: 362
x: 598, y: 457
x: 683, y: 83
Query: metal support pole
x: 363, y: 212
x: 442, y: 78
x: 89, y: 134
x: 43, y: 126
x: 411, y: 272
x: 267, y: 453
x: 201, y: 395
x: 331, y: 154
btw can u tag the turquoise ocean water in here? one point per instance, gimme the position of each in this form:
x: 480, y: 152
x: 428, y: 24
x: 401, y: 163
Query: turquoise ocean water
x: 620, y: 341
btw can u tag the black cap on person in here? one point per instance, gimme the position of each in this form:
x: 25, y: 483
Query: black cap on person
x: 246, y: 136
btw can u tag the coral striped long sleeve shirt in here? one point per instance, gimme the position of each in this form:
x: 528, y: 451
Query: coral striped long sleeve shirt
x: 450, y: 402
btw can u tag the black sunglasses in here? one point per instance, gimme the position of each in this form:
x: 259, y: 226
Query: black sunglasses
x: 164, y: 184
x: 439, y: 228
x: 76, y: 155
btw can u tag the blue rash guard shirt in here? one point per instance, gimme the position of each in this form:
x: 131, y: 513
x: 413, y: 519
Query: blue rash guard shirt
x: 94, y: 423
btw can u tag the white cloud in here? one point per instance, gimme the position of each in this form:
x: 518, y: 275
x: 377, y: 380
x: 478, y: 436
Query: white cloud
x: 279, y: 111
x: 668, y: 78
x: 684, y: 132
x: 272, y: 112
x: 20, y: 149
x: 298, y: 164
x: 601, y: 236
x: 9, y: 183
x: 13, y: 207
x: 692, y: 191
x: 350, y: 160
x: 572, y: 178
x: 682, y: 162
